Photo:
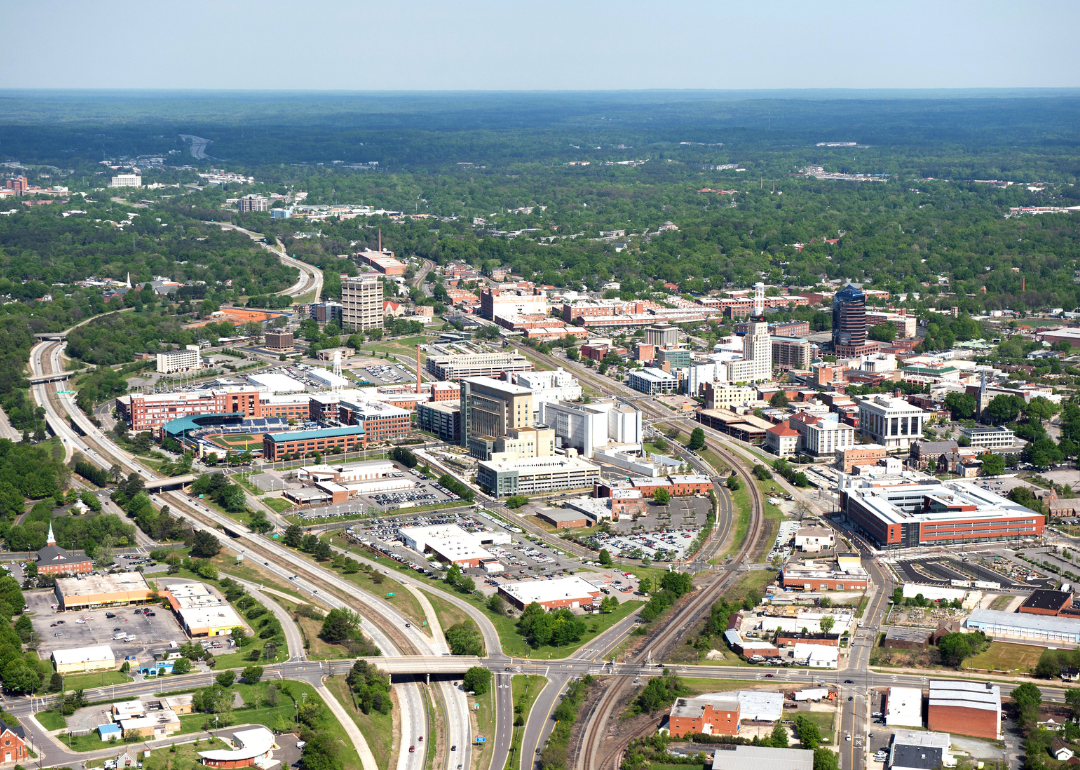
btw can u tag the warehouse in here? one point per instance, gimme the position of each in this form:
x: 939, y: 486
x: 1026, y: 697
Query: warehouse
x: 200, y: 611
x: 563, y: 519
x: 1046, y: 602
x: 450, y: 544
x: 84, y: 659
x: 1016, y: 625
x: 551, y: 594
x: 966, y: 708
x: 100, y: 591
x: 903, y: 707
x: 739, y: 757
x: 919, y: 751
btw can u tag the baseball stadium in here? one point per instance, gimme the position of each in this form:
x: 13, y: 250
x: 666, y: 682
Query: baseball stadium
x: 224, y: 434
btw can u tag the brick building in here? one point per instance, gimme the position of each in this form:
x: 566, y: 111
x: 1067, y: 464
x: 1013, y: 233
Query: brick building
x: 965, y: 708
x: 715, y: 716
x: 791, y: 638
x: 275, y: 445
x: 54, y: 560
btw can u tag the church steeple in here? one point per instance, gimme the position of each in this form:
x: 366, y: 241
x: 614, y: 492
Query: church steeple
x: 52, y: 538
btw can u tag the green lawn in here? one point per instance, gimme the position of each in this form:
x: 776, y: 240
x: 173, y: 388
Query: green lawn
x: 485, y: 726
x: 96, y: 679
x: 526, y: 688
x: 279, y: 504
x: 741, y: 502
x: 1001, y: 656
x: 51, y: 720
x: 447, y: 613
x: 377, y: 729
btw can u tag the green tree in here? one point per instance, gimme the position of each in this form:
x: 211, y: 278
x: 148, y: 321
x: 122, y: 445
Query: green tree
x: 827, y: 623
x: 205, y: 545
x: 778, y: 739
x: 496, y: 604
x: 825, y: 759
x: 697, y: 439
x: 605, y: 557
x: 252, y: 674
x: 885, y: 332
x: 779, y: 400
x: 1027, y: 698
x: 294, y: 536
x: 808, y: 732
x: 477, y: 679
x: 661, y: 496
x: 961, y: 405
x: 992, y: 464
x: 226, y: 678
x: 181, y: 666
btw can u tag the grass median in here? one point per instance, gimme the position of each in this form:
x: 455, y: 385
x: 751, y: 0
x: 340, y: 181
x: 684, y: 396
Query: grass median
x: 525, y: 689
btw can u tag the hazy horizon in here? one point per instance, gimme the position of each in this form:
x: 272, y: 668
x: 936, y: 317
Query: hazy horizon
x: 484, y: 46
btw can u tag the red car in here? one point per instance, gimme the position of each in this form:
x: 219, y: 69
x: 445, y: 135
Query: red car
x: 412, y: 749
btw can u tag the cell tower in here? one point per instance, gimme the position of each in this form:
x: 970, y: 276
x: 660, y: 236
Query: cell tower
x: 759, y: 300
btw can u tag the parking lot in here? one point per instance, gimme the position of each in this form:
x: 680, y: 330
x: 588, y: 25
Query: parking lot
x: 384, y: 374
x: 667, y: 544
x: 92, y: 627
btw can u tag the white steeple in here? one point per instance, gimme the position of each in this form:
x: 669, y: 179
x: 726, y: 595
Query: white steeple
x: 129, y: 279
x: 51, y: 540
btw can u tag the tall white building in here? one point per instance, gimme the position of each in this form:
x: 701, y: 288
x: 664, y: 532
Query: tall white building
x: 890, y: 421
x: 362, y: 303
x: 546, y: 387
x: 587, y: 427
x: 179, y: 360
x: 756, y: 363
x: 126, y: 180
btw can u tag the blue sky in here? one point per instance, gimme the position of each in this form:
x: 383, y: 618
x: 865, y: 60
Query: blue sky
x: 553, y: 45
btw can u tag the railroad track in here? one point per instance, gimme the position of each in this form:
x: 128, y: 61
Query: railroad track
x: 593, y: 756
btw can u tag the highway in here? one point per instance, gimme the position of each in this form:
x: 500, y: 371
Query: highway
x: 310, y: 278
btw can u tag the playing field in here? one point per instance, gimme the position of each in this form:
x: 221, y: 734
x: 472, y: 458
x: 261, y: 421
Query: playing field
x: 1001, y: 656
x: 236, y: 440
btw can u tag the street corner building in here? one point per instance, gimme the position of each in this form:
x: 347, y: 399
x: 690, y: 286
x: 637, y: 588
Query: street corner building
x: 965, y: 708
x: 253, y: 747
x: 551, y: 594
x: 717, y: 715
x: 84, y: 659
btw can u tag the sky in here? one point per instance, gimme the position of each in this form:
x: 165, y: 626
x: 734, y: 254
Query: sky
x: 410, y: 45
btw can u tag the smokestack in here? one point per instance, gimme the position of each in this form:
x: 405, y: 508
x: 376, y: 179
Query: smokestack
x: 1023, y: 283
x: 380, y: 239
x: 418, y: 369
x: 761, y: 183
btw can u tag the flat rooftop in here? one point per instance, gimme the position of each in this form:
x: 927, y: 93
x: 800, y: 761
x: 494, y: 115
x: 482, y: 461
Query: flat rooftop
x: 975, y: 695
x: 123, y: 582
x: 1045, y: 599
x: 904, y: 502
x: 529, y: 591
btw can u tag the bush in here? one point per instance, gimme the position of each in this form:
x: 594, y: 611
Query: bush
x: 477, y: 679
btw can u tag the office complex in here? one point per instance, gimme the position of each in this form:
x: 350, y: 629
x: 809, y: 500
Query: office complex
x: 362, y: 303
x: 512, y: 302
x: 791, y: 353
x: 756, y: 362
x: 279, y: 342
x: 457, y: 367
x: 179, y: 360
x: 849, y: 323
x: 252, y: 203
x: 890, y: 421
x: 587, y: 427
x: 536, y: 475
x: 652, y: 381
x: 662, y: 336
x: 489, y: 410
x: 126, y: 180
x: 908, y: 512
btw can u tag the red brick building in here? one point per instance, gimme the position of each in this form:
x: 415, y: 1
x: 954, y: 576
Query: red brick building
x: 790, y: 638
x: 1046, y: 602
x: 13, y: 744
x: 965, y: 708
x: 54, y: 560
x: 715, y: 716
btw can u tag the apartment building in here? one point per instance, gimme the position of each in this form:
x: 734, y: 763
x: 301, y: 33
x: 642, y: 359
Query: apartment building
x: 179, y: 360
x: 362, y: 303
x: 144, y: 411
x: 819, y: 436
x: 791, y: 353
x: 441, y: 418
x: 251, y: 203
x: 126, y: 180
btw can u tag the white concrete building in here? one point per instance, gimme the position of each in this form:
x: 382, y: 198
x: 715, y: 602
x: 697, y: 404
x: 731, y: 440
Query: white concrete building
x: 536, y: 475
x: 756, y: 363
x: 820, y: 436
x: 569, y: 591
x: 890, y: 421
x: 814, y: 538
x: 276, y: 383
x: 651, y: 380
x: 546, y: 387
x: 179, y: 360
x: 126, y: 180
x: 588, y: 427
x: 989, y: 437
x: 903, y: 707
